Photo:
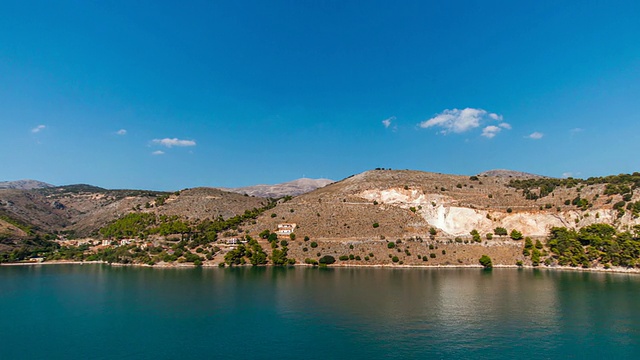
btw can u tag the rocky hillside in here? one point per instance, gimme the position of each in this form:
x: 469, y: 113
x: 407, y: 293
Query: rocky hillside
x: 409, y: 203
x: 24, y: 184
x: 82, y: 210
x: 291, y: 188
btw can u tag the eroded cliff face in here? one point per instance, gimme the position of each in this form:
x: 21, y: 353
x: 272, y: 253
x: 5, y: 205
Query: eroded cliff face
x: 447, y: 215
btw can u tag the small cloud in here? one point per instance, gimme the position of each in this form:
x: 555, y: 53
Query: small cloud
x: 490, y: 131
x: 158, y: 152
x: 387, y: 122
x: 567, y: 174
x: 576, y: 130
x: 174, y: 142
x: 38, y: 128
x: 121, y: 132
x: 460, y: 121
x: 495, y: 117
x: 535, y: 135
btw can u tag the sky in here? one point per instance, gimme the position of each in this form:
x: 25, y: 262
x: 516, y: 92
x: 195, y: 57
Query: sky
x: 172, y: 95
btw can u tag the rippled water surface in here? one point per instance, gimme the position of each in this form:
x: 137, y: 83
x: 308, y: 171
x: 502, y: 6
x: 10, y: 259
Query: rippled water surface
x: 103, y: 312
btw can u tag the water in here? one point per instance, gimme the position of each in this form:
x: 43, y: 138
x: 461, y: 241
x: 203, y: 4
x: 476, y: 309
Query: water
x: 102, y: 312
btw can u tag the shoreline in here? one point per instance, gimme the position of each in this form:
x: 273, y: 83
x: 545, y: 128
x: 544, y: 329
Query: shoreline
x: 617, y: 270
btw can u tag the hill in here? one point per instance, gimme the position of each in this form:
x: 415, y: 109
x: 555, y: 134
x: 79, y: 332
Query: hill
x: 291, y: 188
x: 24, y: 184
x: 364, y: 216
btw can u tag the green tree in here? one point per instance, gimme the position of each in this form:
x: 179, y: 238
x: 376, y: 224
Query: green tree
x: 486, y: 262
x: 516, y: 235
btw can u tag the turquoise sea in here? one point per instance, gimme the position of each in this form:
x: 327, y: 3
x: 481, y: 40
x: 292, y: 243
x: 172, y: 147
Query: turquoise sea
x: 104, y: 312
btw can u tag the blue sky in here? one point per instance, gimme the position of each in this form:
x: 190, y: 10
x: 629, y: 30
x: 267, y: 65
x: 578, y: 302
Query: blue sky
x: 161, y: 95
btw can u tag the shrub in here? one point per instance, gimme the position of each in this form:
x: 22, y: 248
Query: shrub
x: 314, y: 244
x: 327, y: 260
x: 273, y: 215
x: 489, y: 236
x: 509, y: 210
x: 395, y: 259
x: 358, y: 258
x: 500, y: 231
x: 391, y: 245
x: 284, y: 243
x: 305, y: 249
x: 375, y: 225
x: 432, y: 255
x: 519, y: 263
x: 486, y: 262
x: 516, y: 235
x: 292, y: 236
x: 351, y: 247
x: 424, y: 258
x: 444, y: 252
x: 306, y: 238
x: 433, y: 231
x: 351, y: 257
x: 343, y: 258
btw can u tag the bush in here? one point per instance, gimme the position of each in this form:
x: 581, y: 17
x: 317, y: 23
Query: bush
x: 486, y: 262
x: 395, y: 259
x: 327, y: 260
x: 314, y: 244
x: 509, y: 210
x: 516, y: 235
x: 273, y: 215
x: 500, y: 231
x: 375, y: 225
x: 489, y: 236
x: 432, y: 255
x: 306, y: 238
x: 343, y: 258
x: 284, y: 243
x: 292, y: 236
x: 391, y: 245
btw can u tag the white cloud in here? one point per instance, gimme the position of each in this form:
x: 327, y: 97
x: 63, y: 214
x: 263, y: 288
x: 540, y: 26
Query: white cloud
x: 567, y: 174
x: 535, y: 135
x: 460, y: 121
x: 491, y: 131
x: 495, y: 116
x: 158, y: 152
x: 387, y: 122
x: 174, y: 142
x: 121, y: 132
x: 576, y: 130
x: 38, y: 128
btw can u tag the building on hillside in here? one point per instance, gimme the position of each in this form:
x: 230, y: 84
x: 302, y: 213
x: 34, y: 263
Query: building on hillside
x: 286, y: 229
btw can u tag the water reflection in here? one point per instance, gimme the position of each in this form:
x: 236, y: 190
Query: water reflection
x: 318, y: 313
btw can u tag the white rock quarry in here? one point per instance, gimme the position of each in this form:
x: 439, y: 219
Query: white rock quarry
x: 442, y: 212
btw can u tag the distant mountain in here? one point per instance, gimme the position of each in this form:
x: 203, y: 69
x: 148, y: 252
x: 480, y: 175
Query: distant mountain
x: 502, y: 173
x: 292, y: 188
x: 24, y: 184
